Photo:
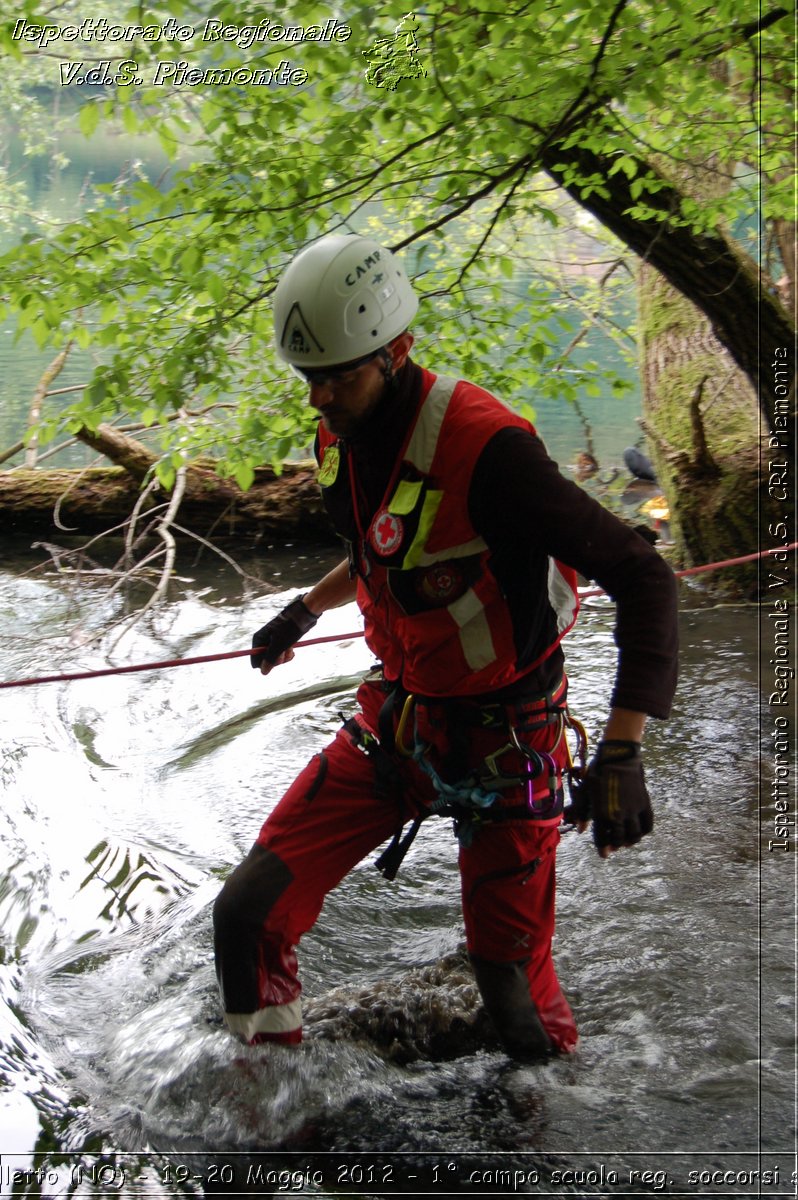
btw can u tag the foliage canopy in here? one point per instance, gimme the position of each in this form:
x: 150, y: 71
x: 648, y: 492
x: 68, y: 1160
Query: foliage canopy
x: 168, y: 285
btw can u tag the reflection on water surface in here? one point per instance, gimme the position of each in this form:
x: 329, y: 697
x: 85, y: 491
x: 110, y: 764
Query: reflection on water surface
x: 127, y: 799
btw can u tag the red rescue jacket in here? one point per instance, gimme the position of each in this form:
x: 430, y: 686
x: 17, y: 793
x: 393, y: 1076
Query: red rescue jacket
x: 434, y: 611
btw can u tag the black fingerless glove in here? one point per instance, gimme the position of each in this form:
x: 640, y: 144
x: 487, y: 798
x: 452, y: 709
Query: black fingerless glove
x: 612, y: 793
x: 282, y: 632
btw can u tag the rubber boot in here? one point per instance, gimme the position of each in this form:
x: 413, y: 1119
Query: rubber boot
x: 505, y: 993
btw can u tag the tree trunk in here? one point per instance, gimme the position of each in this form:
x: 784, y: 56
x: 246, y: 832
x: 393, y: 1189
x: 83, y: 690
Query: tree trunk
x: 748, y: 320
x: 44, y: 504
x: 702, y: 419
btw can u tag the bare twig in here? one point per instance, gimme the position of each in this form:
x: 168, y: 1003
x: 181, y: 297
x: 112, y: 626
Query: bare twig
x: 34, y: 415
x: 134, y: 516
x: 168, y: 550
x: 216, y: 550
x: 17, y: 448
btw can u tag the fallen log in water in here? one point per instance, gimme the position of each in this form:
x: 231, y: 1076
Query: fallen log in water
x: 44, y: 503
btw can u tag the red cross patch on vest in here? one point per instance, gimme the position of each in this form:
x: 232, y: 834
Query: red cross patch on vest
x: 386, y: 533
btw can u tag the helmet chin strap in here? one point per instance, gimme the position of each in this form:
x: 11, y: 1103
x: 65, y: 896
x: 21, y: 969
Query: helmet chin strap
x: 388, y: 373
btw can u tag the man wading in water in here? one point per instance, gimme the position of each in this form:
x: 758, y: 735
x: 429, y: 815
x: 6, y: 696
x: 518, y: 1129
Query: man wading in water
x: 463, y: 540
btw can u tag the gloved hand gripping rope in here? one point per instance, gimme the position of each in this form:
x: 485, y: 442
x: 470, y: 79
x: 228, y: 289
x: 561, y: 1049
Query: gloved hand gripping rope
x: 281, y: 633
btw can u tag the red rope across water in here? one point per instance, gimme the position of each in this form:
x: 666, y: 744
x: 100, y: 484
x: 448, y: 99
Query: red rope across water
x: 716, y: 566
x: 335, y: 637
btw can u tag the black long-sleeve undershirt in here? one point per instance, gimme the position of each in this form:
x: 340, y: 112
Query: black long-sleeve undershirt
x: 526, y: 510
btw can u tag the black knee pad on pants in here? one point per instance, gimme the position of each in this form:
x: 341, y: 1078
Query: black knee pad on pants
x: 239, y: 911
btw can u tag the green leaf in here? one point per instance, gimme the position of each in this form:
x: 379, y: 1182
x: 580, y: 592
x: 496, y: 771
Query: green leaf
x: 96, y: 391
x: 89, y: 118
x: 41, y: 332
x: 245, y: 476
x: 166, y: 475
x: 215, y: 286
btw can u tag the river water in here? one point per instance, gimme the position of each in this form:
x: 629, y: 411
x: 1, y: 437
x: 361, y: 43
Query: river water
x: 127, y: 799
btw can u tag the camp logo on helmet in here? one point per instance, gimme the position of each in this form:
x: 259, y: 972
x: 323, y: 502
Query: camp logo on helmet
x: 363, y: 268
x: 297, y: 337
x: 386, y: 532
x: 298, y: 344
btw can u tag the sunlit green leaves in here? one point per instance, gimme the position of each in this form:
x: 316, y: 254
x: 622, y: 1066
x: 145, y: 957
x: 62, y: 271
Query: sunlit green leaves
x: 167, y: 283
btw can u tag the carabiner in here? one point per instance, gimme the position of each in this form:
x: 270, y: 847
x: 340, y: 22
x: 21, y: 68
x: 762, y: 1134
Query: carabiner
x: 581, y: 747
x: 399, y: 742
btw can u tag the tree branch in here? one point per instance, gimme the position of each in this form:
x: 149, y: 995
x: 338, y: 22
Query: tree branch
x: 34, y: 415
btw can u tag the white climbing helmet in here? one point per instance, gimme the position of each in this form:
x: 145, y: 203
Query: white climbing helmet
x: 338, y: 300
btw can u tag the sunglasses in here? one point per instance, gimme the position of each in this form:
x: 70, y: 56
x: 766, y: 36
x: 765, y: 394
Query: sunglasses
x: 329, y: 376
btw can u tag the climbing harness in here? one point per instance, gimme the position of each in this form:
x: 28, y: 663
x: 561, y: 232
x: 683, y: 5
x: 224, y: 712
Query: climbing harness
x: 473, y: 799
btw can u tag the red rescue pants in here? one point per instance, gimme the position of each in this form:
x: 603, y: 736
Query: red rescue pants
x: 329, y: 820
